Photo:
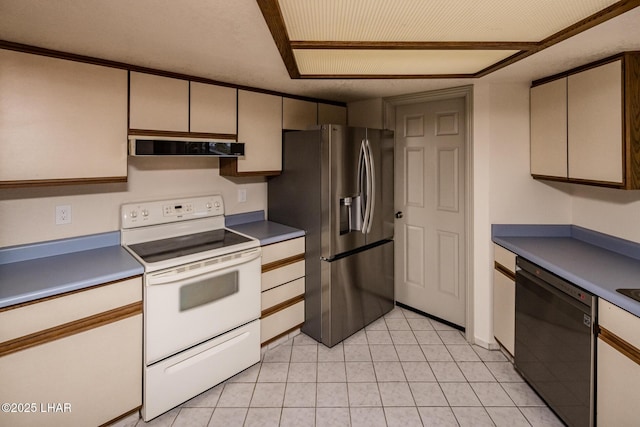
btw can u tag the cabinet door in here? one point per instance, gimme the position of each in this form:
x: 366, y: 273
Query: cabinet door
x: 97, y: 374
x: 595, y: 124
x: 504, y: 310
x: 549, y: 129
x: 61, y: 120
x: 298, y: 114
x: 213, y: 109
x: 617, y: 378
x: 260, y: 128
x: 158, y: 103
x: 332, y: 114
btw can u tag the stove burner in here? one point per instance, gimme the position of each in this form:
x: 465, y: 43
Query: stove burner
x: 174, y: 247
x: 631, y: 293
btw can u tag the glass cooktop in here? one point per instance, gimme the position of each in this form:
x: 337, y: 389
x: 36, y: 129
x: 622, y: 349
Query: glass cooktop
x: 163, y: 249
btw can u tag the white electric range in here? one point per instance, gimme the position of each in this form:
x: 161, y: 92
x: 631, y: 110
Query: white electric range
x: 201, y: 297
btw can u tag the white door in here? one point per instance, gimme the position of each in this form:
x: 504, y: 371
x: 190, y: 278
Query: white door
x: 430, y: 191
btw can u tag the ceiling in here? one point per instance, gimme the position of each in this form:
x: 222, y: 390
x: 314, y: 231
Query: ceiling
x: 229, y: 41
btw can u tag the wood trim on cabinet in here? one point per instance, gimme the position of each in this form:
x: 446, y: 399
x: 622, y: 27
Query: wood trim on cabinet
x: 580, y: 69
x: 178, y: 134
x: 277, y: 337
x: 504, y: 270
x: 619, y: 344
x: 581, y: 181
x: 70, y: 328
x: 229, y: 167
x: 62, y: 181
x: 120, y: 417
x: 282, y: 262
x: 65, y: 294
x: 631, y: 118
x: 282, y: 306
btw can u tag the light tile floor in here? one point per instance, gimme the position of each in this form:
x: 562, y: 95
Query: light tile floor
x: 402, y: 370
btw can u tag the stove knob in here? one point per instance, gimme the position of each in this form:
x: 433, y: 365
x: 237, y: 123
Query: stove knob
x: 208, y: 205
x: 217, y: 205
x: 134, y: 214
x: 145, y: 213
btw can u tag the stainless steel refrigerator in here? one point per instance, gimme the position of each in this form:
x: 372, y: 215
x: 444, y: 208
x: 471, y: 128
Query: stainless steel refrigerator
x: 337, y: 185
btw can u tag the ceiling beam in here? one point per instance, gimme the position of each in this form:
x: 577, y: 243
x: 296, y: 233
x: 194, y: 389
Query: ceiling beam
x: 273, y: 17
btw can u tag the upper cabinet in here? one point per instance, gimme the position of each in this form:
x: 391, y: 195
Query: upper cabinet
x: 298, y: 114
x: 585, y: 124
x: 213, y: 109
x: 332, y: 114
x: 61, y: 121
x: 549, y: 129
x: 260, y: 128
x: 158, y: 103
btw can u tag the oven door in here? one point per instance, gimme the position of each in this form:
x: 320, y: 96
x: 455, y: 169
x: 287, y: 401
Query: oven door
x: 191, y: 303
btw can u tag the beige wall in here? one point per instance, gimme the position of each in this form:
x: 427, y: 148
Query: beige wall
x: 28, y: 214
x: 504, y: 191
x: 609, y: 211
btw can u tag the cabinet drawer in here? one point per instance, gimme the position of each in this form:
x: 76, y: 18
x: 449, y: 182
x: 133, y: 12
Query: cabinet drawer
x: 281, y: 321
x: 28, y: 319
x: 281, y: 275
x: 282, y: 250
x: 622, y: 323
x: 282, y: 293
x: 505, y: 258
x: 98, y: 372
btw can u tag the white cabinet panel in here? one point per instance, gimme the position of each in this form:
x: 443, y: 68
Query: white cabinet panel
x: 98, y: 373
x: 549, y: 129
x: 260, y: 128
x: 298, y: 114
x: 61, y: 120
x: 595, y: 123
x: 282, y: 293
x: 281, y: 250
x: 332, y: 114
x: 213, y: 108
x: 504, y: 310
x: 505, y: 258
x: 281, y: 321
x: 287, y: 273
x: 158, y: 103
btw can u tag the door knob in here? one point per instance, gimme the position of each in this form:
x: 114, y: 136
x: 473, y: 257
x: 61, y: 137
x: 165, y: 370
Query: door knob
x: 399, y: 214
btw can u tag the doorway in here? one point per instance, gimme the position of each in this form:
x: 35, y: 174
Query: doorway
x: 432, y: 190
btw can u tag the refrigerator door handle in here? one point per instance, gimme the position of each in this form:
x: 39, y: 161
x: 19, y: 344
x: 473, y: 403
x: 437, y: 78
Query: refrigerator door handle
x: 366, y: 190
x: 371, y: 197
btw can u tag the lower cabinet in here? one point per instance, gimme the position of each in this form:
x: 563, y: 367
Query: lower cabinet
x: 504, y: 298
x: 618, y: 366
x: 74, y: 359
x: 283, y: 289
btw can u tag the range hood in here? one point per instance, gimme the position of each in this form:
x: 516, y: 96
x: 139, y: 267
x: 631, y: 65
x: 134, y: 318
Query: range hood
x: 141, y: 145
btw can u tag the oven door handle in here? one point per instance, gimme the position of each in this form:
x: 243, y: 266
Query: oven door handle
x: 222, y: 262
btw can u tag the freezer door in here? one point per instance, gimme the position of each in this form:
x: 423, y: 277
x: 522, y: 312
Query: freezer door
x: 381, y: 219
x: 356, y: 290
x: 342, y: 220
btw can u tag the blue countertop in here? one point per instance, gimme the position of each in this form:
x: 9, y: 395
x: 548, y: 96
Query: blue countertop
x: 253, y: 224
x: 596, y: 262
x: 40, y: 270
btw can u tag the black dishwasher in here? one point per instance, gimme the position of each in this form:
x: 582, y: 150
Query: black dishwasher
x: 555, y: 341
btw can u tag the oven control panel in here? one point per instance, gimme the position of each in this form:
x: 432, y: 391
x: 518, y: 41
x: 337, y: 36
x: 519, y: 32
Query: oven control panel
x: 165, y: 211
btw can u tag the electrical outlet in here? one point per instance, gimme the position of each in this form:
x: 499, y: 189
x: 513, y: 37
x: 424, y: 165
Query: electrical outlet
x: 63, y: 214
x: 242, y: 195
